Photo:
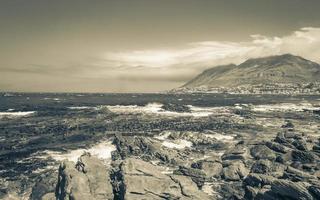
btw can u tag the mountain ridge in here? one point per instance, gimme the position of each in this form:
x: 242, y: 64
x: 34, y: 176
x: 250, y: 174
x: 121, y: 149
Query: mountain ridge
x: 286, y: 69
x: 285, y: 74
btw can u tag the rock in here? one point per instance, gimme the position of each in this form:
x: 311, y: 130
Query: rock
x: 210, y: 168
x: 235, y: 171
x: 188, y: 187
x: 297, y: 175
x: 268, y: 168
x: 262, y: 152
x: 198, y: 176
x: 175, y: 107
x: 261, y: 167
x: 277, y: 147
x: 315, y: 190
x: 258, y: 180
x: 143, y: 180
x: 88, y: 179
x: 49, y: 196
x: 250, y: 192
x: 45, y: 186
x: 291, y: 190
x: 266, y: 193
x: 232, y: 190
x: 288, y: 124
x: 303, y: 156
x: 300, y: 145
x: 145, y: 148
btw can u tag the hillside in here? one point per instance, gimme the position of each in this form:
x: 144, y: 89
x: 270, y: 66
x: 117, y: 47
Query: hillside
x: 284, y: 69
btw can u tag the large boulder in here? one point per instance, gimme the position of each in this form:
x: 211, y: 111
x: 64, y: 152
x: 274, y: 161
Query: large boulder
x: 211, y: 167
x: 262, y: 152
x: 142, y: 180
x: 303, y: 156
x: 198, y: 176
x: 144, y: 148
x: 86, y: 179
x: 45, y: 187
x: 235, y: 171
x: 291, y: 190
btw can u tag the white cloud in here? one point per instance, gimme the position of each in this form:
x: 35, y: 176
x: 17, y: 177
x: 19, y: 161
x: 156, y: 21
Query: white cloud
x: 181, y: 64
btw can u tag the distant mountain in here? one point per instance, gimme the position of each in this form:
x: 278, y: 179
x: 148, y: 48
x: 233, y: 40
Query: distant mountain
x: 281, y: 69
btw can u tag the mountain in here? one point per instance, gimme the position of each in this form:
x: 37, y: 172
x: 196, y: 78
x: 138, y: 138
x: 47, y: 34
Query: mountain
x: 280, y: 69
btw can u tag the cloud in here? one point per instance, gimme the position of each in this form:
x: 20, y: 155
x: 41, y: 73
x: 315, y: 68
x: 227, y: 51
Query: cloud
x: 181, y: 64
x: 159, y: 69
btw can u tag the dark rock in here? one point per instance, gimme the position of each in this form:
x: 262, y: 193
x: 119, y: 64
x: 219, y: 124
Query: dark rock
x: 296, y: 175
x: 175, y: 107
x: 232, y: 190
x: 258, y: 180
x: 143, y: 147
x: 261, y: 167
x: 291, y: 190
x: 303, y: 156
x: 266, y: 193
x: 46, y: 185
x: 210, y: 168
x: 250, y: 192
x: 315, y: 191
x: 268, y: 168
x: 235, y: 171
x: 300, y: 145
x: 262, y: 152
x: 276, y: 147
x: 198, y: 176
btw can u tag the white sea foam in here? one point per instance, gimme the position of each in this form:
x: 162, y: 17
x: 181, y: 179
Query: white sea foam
x: 219, y: 136
x: 16, y: 114
x: 163, y: 135
x: 284, y: 107
x: 155, y: 108
x: 100, y: 150
x: 177, y: 144
x: 81, y: 107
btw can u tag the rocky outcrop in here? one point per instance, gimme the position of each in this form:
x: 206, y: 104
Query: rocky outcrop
x: 86, y: 179
x: 142, y: 180
x: 235, y: 171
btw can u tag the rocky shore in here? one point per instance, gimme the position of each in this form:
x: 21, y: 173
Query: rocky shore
x: 285, y: 167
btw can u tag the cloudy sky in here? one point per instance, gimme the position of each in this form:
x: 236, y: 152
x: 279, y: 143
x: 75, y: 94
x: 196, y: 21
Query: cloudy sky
x: 143, y: 45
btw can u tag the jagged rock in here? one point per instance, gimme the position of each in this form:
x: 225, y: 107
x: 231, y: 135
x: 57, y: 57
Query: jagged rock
x: 288, y: 124
x: 315, y: 190
x: 44, y: 187
x: 88, y: 179
x: 235, y: 171
x: 268, y: 168
x: 250, y: 192
x: 198, y: 176
x: 277, y: 147
x: 297, y: 175
x: 258, y: 180
x: 175, y: 107
x: 210, y: 168
x: 262, y: 152
x: 266, y: 193
x: 145, y: 148
x: 232, y: 190
x: 188, y: 187
x: 303, y: 156
x: 291, y: 190
x: 143, y: 180
x: 300, y: 145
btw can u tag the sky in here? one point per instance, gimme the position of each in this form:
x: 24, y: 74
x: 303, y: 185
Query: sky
x: 143, y: 45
